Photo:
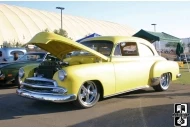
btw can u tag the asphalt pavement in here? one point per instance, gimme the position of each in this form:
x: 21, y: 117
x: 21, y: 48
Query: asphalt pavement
x: 139, y: 108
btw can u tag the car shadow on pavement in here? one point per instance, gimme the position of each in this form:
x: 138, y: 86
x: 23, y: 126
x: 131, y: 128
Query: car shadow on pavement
x: 7, y: 86
x: 13, y: 106
x: 153, y: 116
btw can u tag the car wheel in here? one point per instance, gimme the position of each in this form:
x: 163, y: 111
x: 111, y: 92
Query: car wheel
x: 164, y: 82
x: 88, y: 95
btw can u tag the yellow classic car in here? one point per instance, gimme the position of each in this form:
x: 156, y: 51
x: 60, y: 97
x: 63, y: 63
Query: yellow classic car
x: 102, y: 67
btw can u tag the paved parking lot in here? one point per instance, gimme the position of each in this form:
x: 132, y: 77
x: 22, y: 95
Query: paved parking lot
x: 139, y: 108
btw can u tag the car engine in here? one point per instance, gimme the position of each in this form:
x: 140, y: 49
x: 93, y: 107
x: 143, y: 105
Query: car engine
x: 47, y: 69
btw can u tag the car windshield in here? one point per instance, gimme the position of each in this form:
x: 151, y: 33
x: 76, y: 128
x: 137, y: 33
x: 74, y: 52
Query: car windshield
x: 32, y: 57
x: 103, y: 47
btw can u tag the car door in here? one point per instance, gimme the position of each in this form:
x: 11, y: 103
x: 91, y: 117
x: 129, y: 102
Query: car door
x: 127, y: 67
x: 147, y: 59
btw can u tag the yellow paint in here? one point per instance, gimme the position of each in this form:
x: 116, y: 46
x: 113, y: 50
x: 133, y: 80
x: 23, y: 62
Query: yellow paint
x: 116, y: 73
x: 58, y: 45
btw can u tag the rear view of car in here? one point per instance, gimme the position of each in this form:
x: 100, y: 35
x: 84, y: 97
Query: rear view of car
x: 8, y: 53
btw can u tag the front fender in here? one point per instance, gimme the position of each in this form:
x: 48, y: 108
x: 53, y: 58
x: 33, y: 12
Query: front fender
x: 161, y: 67
x: 78, y: 74
x: 29, y: 70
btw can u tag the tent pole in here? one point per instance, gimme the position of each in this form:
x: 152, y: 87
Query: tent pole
x: 186, y: 58
x: 187, y: 62
x: 159, y: 48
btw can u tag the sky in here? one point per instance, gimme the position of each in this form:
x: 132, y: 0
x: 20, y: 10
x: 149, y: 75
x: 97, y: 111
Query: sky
x: 170, y: 17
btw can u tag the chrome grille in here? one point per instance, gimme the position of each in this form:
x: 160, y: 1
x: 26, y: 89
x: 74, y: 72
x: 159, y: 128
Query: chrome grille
x: 40, y: 90
x: 38, y: 82
x: 42, y: 85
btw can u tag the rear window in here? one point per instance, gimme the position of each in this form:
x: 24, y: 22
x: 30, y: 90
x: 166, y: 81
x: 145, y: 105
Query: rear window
x: 18, y: 52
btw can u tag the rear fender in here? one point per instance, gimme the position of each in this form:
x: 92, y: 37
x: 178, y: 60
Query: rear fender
x: 161, y: 67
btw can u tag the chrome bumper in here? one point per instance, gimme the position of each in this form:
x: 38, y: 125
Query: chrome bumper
x: 178, y: 75
x: 46, y: 97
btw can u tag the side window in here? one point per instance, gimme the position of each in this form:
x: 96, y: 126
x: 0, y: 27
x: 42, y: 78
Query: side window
x: 18, y: 52
x: 129, y: 49
x: 145, y: 50
x: 117, y: 51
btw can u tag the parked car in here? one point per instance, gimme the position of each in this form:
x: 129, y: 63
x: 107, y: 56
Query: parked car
x: 9, y: 71
x: 116, y: 65
x: 8, y: 52
x: 185, y: 58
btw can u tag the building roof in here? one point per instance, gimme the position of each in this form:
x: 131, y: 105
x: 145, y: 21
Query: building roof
x: 20, y: 24
x: 156, y: 36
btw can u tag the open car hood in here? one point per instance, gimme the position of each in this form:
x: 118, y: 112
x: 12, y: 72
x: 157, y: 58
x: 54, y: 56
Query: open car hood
x: 59, y: 46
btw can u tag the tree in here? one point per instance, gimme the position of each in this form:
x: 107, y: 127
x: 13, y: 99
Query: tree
x: 61, y: 32
x: 179, y: 49
x: 46, y: 30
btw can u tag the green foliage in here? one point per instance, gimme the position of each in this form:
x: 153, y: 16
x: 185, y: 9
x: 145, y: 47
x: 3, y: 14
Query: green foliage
x: 12, y: 44
x: 179, y: 49
x: 61, y: 32
x: 46, y: 30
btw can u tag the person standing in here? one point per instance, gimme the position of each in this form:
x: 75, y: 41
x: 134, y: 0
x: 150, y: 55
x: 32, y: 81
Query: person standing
x: 15, y: 56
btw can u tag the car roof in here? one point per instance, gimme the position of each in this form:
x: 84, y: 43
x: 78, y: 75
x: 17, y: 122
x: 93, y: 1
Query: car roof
x: 117, y: 39
x: 37, y: 53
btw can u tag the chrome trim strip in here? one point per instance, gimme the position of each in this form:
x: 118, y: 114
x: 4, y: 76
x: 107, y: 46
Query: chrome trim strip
x: 40, y: 79
x: 46, y: 97
x: 38, y: 86
x: 26, y: 90
x: 141, y: 87
x: 178, y: 75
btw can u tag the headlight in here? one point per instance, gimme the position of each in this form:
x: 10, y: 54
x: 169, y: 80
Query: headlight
x: 62, y: 74
x: 21, y: 72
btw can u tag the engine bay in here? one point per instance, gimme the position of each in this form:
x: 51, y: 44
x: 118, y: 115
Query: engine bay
x: 47, y: 69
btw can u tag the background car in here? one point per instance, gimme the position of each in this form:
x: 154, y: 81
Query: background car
x: 8, y: 52
x: 9, y: 71
x: 185, y: 58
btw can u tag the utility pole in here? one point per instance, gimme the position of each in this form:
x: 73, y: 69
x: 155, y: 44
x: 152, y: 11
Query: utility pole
x: 154, y: 26
x: 61, y: 8
x: 155, y: 31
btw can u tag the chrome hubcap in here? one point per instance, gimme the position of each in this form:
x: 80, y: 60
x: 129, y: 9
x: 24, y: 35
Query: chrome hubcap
x: 88, y: 93
x: 19, y: 80
x: 165, y: 80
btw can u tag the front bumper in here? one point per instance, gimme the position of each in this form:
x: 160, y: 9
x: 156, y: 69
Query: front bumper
x: 178, y: 75
x: 57, y: 98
